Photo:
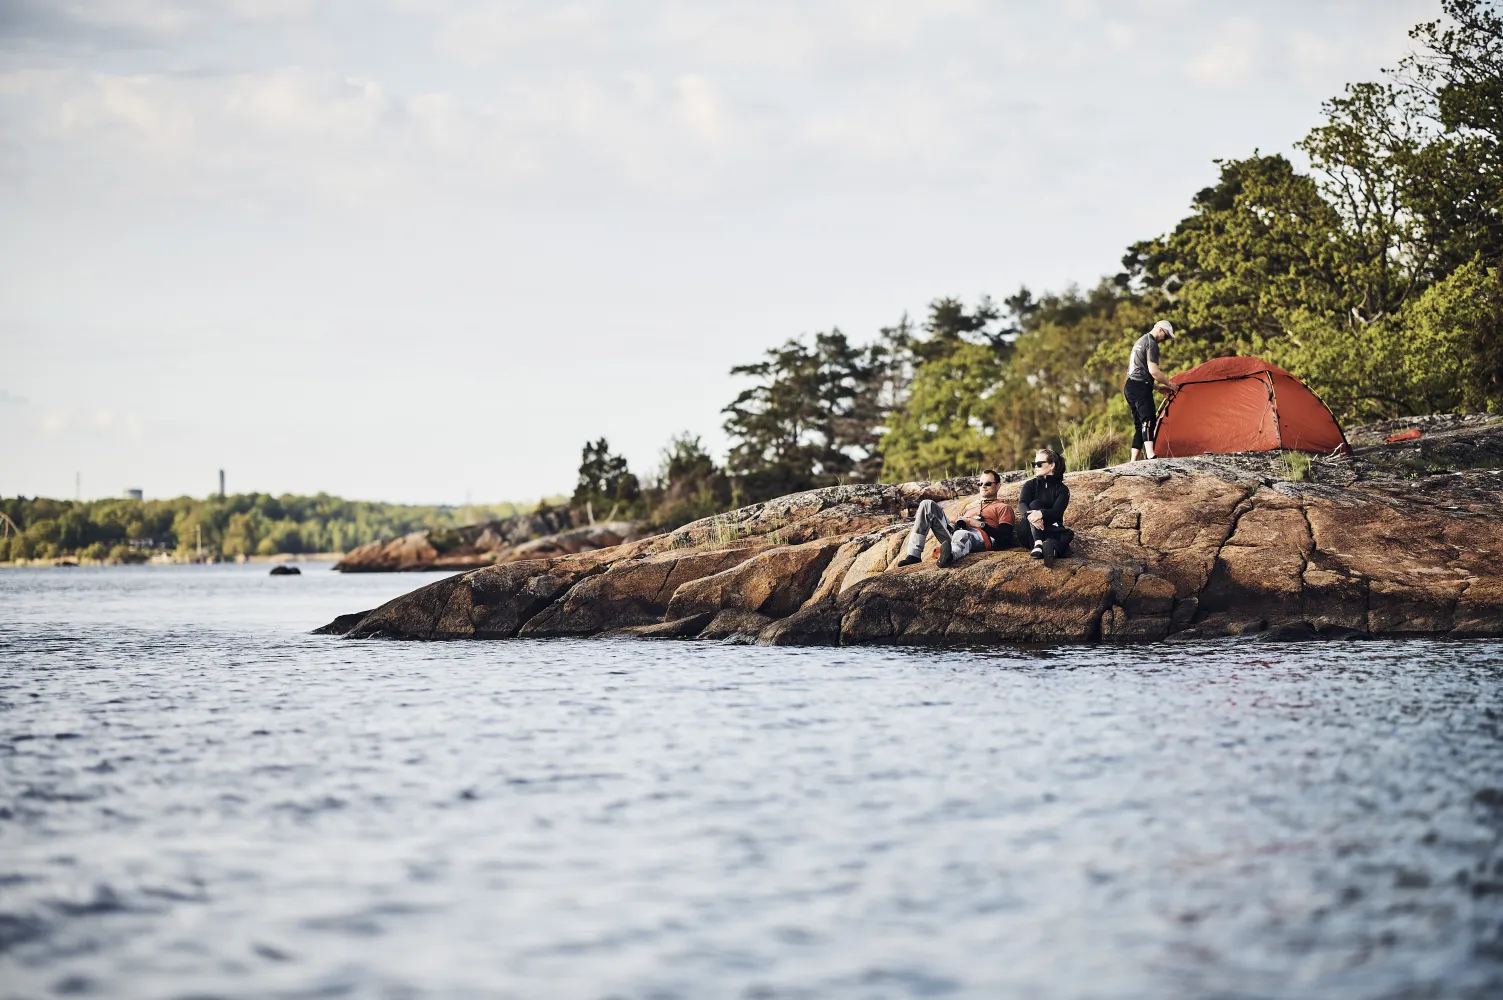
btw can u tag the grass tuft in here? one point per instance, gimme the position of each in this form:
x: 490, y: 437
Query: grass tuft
x: 726, y: 530
x: 1295, y: 466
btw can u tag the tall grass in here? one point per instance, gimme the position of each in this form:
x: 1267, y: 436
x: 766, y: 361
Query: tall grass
x: 1092, y: 446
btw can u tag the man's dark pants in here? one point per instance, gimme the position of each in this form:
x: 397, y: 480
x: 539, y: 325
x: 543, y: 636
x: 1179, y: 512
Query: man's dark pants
x: 1140, y: 398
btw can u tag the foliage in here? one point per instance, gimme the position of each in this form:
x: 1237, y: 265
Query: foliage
x: 690, y: 485
x: 947, y: 422
x: 241, y: 524
x: 1066, y: 368
x: 812, y: 417
x: 606, y: 487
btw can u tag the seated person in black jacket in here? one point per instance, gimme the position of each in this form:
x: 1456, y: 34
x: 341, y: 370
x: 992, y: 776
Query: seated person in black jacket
x: 1041, y: 508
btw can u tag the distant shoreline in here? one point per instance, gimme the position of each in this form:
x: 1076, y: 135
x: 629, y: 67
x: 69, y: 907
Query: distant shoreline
x: 172, y: 560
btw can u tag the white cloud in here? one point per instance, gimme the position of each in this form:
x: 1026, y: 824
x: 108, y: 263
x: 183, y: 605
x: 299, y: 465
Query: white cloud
x: 1120, y: 36
x: 161, y: 18
x: 132, y: 24
x: 700, y: 108
x: 674, y: 99
x: 271, y: 10
x: 285, y: 132
x: 1227, y: 60
x: 479, y: 35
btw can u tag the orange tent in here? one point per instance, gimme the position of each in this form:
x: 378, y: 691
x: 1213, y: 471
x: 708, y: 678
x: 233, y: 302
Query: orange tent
x: 1244, y: 404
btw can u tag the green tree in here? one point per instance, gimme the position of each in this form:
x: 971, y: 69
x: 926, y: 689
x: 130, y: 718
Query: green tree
x: 1258, y: 245
x: 946, y: 423
x: 605, y: 484
x: 689, y: 484
x: 811, y: 419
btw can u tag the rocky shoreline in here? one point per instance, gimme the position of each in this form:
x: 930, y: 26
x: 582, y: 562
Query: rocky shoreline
x: 1397, y: 539
x: 539, y: 535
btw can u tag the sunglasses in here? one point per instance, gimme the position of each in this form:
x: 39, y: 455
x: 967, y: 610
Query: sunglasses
x: 1037, y: 464
x: 988, y: 482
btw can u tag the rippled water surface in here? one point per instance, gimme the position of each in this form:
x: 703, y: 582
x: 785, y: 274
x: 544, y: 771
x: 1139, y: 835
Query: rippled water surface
x: 197, y: 798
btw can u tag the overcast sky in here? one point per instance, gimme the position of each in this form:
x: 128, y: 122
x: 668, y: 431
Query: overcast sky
x: 421, y: 250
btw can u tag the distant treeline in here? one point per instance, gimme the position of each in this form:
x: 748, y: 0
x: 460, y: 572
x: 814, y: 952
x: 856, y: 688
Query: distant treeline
x: 240, y: 525
x: 1374, y: 276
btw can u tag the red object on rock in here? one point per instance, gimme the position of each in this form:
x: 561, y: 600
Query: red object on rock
x: 1409, y: 435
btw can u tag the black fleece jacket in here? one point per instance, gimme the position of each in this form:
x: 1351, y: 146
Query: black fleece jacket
x: 1049, y: 495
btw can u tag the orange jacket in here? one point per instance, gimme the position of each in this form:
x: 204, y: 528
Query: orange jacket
x: 990, y: 513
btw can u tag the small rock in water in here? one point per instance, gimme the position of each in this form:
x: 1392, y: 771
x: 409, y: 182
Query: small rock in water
x: 286, y: 571
x: 1288, y: 632
x: 1303, y: 631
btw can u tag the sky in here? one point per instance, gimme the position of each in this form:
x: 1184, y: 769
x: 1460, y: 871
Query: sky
x: 422, y: 251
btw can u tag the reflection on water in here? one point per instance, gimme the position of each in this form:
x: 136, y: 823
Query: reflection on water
x: 198, y: 798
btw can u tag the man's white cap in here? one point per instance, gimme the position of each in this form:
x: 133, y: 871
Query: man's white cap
x: 1164, y: 325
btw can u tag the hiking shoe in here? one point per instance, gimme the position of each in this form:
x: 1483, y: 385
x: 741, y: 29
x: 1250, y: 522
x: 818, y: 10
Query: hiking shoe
x: 1038, y: 550
x: 946, y: 554
x: 908, y: 560
x: 1049, y: 552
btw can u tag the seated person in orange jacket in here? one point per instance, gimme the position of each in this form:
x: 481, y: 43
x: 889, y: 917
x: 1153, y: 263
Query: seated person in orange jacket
x: 985, y: 523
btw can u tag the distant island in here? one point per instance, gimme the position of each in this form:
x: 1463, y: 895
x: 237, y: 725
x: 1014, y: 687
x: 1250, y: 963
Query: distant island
x: 215, y: 529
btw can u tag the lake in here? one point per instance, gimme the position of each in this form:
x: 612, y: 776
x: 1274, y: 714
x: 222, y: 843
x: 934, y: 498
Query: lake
x: 198, y: 798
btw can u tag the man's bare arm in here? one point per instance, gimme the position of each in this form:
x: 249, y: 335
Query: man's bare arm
x: 1159, y: 376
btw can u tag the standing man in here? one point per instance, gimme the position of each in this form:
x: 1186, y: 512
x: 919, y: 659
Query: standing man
x: 985, y: 523
x: 1142, y: 371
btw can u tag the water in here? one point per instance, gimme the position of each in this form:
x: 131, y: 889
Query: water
x: 199, y: 799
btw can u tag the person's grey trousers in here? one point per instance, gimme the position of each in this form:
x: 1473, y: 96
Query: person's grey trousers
x: 930, y: 517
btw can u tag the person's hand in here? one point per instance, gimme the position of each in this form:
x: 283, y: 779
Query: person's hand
x: 1036, y: 518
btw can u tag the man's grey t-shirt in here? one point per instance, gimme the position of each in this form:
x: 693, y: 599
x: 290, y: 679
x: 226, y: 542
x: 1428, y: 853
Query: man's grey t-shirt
x: 1144, y: 351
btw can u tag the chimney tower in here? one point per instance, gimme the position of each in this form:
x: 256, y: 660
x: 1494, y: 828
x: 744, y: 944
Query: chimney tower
x: 221, y: 484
